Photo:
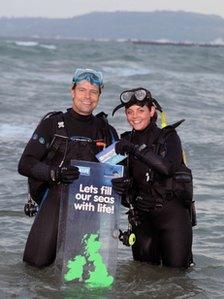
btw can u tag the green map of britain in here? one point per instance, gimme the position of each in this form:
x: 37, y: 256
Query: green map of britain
x: 99, y: 277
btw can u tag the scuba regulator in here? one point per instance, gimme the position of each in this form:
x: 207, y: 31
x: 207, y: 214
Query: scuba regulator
x: 30, y: 208
x: 127, y: 237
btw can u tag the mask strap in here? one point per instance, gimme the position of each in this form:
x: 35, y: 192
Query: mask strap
x: 118, y: 107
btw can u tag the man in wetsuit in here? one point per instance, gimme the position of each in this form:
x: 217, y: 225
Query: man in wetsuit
x: 60, y: 137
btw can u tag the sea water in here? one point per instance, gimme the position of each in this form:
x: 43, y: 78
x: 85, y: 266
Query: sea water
x: 187, y: 81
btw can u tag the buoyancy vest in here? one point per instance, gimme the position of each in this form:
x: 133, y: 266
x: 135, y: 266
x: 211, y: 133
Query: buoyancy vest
x: 63, y: 148
x: 180, y: 184
x: 161, y: 188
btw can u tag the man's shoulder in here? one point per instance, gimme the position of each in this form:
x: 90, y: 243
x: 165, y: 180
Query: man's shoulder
x: 104, y: 125
x: 101, y: 117
x: 52, y: 115
x: 102, y: 120
x: 51, y: 121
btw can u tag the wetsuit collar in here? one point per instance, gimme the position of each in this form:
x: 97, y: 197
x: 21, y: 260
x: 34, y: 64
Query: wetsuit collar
x: 149, y: 129
x: 150, y: 133
x: 84, y: 118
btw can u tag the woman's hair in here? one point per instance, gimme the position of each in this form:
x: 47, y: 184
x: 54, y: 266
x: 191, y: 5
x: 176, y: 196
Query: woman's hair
x: 147, y: 103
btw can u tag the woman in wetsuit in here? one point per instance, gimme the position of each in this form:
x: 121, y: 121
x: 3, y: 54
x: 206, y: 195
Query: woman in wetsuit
x: 162, y: 223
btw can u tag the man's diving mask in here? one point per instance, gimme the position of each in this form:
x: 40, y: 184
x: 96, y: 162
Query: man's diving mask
x: 94, y: 77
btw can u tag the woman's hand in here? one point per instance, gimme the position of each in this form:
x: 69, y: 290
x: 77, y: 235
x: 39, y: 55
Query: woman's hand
x: 123, y: 147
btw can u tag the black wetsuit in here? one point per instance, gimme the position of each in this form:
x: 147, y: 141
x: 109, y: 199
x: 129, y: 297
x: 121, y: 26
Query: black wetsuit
x: 42, y: 240
x: 165, y: 233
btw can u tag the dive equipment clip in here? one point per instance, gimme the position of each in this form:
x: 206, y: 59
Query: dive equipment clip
x: 30, y: 208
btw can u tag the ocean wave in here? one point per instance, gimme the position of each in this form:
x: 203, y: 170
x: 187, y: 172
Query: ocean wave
x: 49, y: 47
x: 15, y: 132
x: 218, y: 41
x: 32, y: 44
x: 126, y: 72
x: 26, y: 43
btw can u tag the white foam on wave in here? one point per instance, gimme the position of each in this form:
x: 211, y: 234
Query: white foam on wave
x: 12, y: 132
x: 127, y: 72
x: 49, y: 47
x: 26, y: 43
x: 33, y: 44
x: 218, y: 41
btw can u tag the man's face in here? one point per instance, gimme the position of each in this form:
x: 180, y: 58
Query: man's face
x: 85, y: 97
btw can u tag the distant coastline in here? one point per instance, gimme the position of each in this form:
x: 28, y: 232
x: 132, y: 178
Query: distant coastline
x: 154, y: 28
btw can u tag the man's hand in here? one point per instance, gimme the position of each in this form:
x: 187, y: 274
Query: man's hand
x: 64, y: 175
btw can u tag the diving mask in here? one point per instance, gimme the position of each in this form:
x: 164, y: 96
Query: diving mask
x: 94, y: 77
x: 136, y: 95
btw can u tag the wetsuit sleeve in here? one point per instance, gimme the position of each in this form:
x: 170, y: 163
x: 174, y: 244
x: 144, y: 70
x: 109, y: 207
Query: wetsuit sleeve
x: 31, y: 163
x: 113, y: 133
x: 170, y: 162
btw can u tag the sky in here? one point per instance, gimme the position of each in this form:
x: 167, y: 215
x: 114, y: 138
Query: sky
x: 70, y: 8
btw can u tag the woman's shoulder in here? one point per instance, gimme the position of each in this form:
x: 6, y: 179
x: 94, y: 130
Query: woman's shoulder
x: 170, y: 130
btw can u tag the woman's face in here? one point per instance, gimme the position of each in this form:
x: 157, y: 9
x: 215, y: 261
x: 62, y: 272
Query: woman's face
x: 139, y: 117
